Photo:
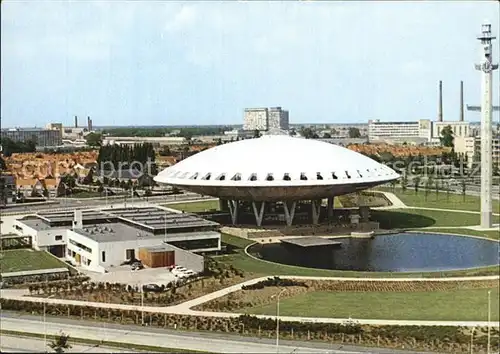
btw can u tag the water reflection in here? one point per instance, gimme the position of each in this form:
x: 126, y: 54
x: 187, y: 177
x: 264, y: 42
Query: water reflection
x: 406, y: 252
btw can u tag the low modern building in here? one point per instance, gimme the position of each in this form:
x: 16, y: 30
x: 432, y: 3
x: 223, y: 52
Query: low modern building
x: 415, y: 131
x: 100, y: 239
x: 41, y: 137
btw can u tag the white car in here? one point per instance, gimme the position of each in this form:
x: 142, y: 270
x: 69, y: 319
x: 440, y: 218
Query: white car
x: 178, y: 269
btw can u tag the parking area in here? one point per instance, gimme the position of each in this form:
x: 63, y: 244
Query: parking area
x: 125, y: 275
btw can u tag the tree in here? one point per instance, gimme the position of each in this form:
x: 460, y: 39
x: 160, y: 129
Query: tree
x: 60, y: 343
x: 94, y: 139
x: 416, y: 183
x: 165, y: 151
x: 404, y: 181
x: 326, y: 136
x: 307, y: 133
x: 464, y: 188
x: 256, y: 133
x: 447, y: 137
x: 354, y: 133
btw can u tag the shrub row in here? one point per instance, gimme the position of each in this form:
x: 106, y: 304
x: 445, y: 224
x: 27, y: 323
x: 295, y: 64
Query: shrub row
x: 274, y: 281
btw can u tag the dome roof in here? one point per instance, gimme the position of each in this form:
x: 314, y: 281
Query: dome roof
x: 276, y: 161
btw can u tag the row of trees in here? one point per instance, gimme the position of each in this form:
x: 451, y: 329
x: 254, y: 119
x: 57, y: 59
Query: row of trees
x: 10, y: 146
x: 122, y: 156
x: 186, y: 132
x: 309, y: 133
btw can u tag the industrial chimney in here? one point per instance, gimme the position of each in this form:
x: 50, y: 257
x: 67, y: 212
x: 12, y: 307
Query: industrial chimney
x: 89, y: 124
x: 440, y: 109
x: 76, y: 121
x: 461, y: 101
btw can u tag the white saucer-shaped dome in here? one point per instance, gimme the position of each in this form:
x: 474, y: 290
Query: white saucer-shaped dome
x: 276, y: 167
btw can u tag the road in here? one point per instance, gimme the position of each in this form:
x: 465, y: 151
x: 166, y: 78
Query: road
x: 200, y: 341
x: 11, y: 344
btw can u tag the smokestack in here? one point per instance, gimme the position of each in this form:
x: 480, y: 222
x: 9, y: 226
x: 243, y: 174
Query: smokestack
x: 440, y: 112
x: 91, y: 125
x: 76, y: 121
x: 461, y: 101
x: 88, y: 123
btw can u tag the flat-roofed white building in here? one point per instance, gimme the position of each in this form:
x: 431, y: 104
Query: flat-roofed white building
x: 471, y: 148
x: 459, y: 129
x: 414, y: 131
x: 100, y: 239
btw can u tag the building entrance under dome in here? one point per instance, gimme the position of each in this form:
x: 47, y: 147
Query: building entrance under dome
x: 315, y: 212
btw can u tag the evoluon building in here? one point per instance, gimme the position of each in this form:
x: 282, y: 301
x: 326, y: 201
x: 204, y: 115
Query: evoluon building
x: 276, y: 175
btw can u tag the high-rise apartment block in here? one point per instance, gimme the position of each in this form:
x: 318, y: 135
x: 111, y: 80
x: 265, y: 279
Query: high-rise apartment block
x: 264, y: 119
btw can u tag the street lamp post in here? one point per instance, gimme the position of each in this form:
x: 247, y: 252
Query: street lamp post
x: 278, y: 319
x: 489, y: 319
x: 142, y: 304
x: 472, y: 340
x: 45, y: 323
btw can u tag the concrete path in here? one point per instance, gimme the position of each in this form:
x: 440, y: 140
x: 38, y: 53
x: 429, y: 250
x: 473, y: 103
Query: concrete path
x: 185, y: 307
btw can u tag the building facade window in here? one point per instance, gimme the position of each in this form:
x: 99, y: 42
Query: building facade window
x: 58, y: 237
x: 103, y: 256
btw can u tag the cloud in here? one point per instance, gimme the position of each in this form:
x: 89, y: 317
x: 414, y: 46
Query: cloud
x: 183, y: 19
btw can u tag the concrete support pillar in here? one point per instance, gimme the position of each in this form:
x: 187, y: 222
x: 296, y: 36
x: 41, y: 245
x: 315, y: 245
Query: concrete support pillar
x: 289, y: 208
x: 316, y: 210
x: 234, y: 206
x: 223, y: 204
x: 331, y: 203
x: 258, y: 212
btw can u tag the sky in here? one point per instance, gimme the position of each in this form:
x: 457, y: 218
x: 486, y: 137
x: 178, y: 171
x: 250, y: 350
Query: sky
x: 189, y: 63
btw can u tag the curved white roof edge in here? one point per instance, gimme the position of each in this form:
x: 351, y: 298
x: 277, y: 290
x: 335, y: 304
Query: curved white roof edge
x: 276, y: 161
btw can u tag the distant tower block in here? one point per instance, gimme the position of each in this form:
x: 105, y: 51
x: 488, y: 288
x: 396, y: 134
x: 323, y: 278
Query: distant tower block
x: 486, y: 67
x: 440, y: 108
x: 461, y: 118
x: 76, y: 121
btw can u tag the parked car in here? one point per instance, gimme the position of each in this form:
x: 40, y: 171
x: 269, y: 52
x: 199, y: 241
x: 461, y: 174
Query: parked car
x: 137, y: 266
x: 178, y: 269
x: 151, y: 287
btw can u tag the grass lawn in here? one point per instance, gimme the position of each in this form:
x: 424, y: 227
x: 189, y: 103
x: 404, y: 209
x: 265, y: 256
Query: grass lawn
x: 195, y: 206
x: 488, y: 234
x: 458, y: 305
x: 26, y: 259
x: 259, y: 267
x: 440, y: 201
x: 418, y: 218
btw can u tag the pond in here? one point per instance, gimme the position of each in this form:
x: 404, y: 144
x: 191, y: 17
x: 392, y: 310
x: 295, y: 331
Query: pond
x: 404, y: 252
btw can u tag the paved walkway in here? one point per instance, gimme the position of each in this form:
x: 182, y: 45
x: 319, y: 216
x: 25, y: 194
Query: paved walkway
x: 185, y: 307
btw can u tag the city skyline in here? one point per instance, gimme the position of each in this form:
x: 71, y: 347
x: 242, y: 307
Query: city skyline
x: 161, y: 63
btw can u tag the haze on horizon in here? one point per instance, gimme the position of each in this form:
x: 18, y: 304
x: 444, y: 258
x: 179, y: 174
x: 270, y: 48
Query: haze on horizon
x: 186, y: 63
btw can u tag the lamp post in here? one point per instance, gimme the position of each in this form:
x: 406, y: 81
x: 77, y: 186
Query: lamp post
x: 489, y: 319
x: 278, y: 319
x: 142, y: 304
x: 45, y: 323
x: 472, y: 340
